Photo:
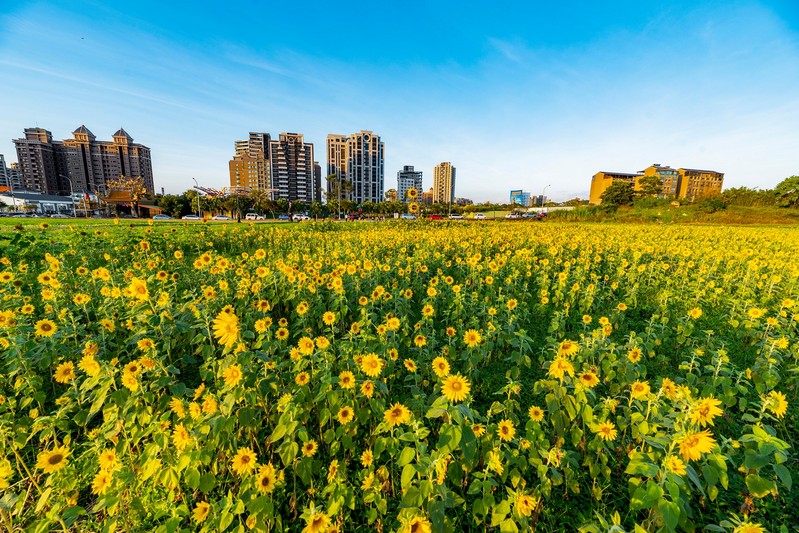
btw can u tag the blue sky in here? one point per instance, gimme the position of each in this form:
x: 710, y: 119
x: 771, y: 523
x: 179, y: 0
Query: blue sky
x: 515, y: 95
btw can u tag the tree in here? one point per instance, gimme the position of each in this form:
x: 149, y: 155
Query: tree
x: 262, y: 201
x: 650, y: 186
x: 619, y: 193
x: 787, y: 192
x: 337, y: 188
x: 316, y: 209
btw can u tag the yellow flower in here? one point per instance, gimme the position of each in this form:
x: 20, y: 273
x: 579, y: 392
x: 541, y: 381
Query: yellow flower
x: 704, y: 411
x: 397, y: 414
x: 567, y: 348
x: 266, y: 479
x: 282, y: 334
x: 138, y: 289
x: 200, y: 512
x: 332, y: 470
x: 309, y: 448
x: 52, y: 460
x: 65, y: 372
x: 418, y: 524
x: 695, y: 313
x: 345, y: 415
x: 634, y: 354
x: 302, y: 379
x: 329, y: 318
x: 371, y: 365
x: 244, y: 461
x: 108, y: 459
x: 777, y: 403
x: 101, y: 482
x: 506, y: 430
x: 589, y: 379
x: 560, y: 367
x: 346, y: 380
x: 693, y: 445
x: 536, y: 413
x: 306, y: 345
x: 669, y: 388
x: 748, y: 527
x: 428, y: 310
x: 232, y: 375
x: 226, y: 328
x: 130, y: 382
x: 472, y: 338
x: 674, y: 465
x: 455, y: 388
x: 479, y: 430
x: 45, y: 328
x: 606, y: 430
x: 410, y: 365
x: 318, y: 522
x: 420, y: 341
x: 367, y: 388
x: 495, y: 462
x: 525, y: 504
x: 180, y: 437
x: 440, y: 367
x: 639, y: 390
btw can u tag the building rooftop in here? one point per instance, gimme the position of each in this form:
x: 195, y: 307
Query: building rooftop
x: 28, y: 195
x: 122, y: 133
x: 703, y: 171
x: 83, y: 129
x: 621, y: 173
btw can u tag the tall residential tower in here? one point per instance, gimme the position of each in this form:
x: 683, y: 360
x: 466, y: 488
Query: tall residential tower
x: 358, y: 161
x: 444, y: 183
x: 408, y: 178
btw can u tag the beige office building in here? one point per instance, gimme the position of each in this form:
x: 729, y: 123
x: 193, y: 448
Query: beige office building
x: 444, y: 183
x: 358, y: 160
x: 250, y: 166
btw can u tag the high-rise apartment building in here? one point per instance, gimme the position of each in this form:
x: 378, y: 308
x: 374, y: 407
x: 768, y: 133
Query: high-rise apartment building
x: 697, y: 184
x: 9, y: 176
x: 444, y: 183
x: 292, y: 169
x: 520, y: 197
x: 669, y: 178
x: 250, y: 166
x: 603, y: 179
x: 50, y: 166
x: 358, y: 161
x: 408, y: 178
x: 682, y: 183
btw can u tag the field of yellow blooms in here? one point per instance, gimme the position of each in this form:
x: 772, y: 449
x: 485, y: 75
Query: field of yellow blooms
x: 405, y: 377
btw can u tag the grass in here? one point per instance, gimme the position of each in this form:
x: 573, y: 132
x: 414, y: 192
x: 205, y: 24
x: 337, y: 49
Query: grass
x: 686, y: 214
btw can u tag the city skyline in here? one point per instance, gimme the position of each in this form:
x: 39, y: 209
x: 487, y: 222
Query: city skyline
x: 545, y: 96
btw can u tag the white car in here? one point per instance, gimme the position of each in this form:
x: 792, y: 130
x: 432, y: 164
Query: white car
x: 190, y: 217
x: 254, y: 216
x: 513, y: 216
x: 456, y: 216
x: 299, y: 217
x: 221, y: 217
x: 479, y: 216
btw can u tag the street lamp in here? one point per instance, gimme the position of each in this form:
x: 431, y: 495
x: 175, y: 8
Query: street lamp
x: 197, y: 186
x: 71, y: 194
x: 544, y: 195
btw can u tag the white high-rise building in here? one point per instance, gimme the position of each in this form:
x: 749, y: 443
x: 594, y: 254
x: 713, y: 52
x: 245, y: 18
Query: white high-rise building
x: 408, y: 178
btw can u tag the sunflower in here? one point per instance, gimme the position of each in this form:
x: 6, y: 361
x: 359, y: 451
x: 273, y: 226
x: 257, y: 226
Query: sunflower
x: 455, y: 388
x: 589, y: 379
x: 536, y: 413
x: 329, y: 318
x: 410, y: 365
x: 101, y: 482
x: 130, y: 382
x: 639, y: 390
x: 45, y: 328
x: 317, y: 522
x: 695, y: 313
x: 560, y: 367
x: 180, y: 437
x: 332, y: 470
x: 367, y: 388
x: 412, y: 193
x: 371, y: 365
x: 302, y: 379
x: 567, y: 348
x: 428, y: 310
x: 748, y: 527
x: 302, y: 308
x: 669, y: 388
x: 634, y: 354
x: 606, y: 430
x: 420, y: 341
x: 704, y: 411
x: 52, y: 460
x: 322, y: 343
x: 282, y: 334
x: 108, y: 459
x: 525, y: 504
x: 232, y: 375
x: 451, y: 332
x: 506, y: 430
x: 479, y: 430
x: 674, y: 465
x: 693, y: 445
x: 346, y: 380
x: 441, y: 367
x: 393, y: 323
x: 306, y: 345
x: 65, y: 372
x: 367, y: 457
x: 244, y: 461
x: 418, y: 524
x: 397, y: 414
x: 200, y: 512
x: 472, y: 338
x: 309, y: 448
x: 266, y: 479
x: 226, y: 328
x: 345, y: 415
x: 777, y: 403
x: 138, y: 290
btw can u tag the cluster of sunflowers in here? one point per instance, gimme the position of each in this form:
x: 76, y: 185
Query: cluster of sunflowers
x: 398, y: 377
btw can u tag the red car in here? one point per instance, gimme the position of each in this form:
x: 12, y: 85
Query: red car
x: 435, y: 217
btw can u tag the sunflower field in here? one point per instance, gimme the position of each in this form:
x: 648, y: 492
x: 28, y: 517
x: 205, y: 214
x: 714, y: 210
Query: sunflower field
x: 401, y: 376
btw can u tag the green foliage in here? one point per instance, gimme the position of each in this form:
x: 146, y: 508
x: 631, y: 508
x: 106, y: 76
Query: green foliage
x: 711, y: 205
x: 618, y: 194
x: 787, y: 192
x: 651, y: 186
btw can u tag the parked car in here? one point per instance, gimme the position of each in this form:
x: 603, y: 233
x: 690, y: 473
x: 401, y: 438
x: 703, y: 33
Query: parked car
x: 221, y: 217
x: 299, y: 217
x: 479, y: 216
x: 283, y: 217
x: 435, y: 217
x: 513, y: 216
x: 254, y: 216
x: 455, y: 216
x: 162, y: 217
x: 190, y: 217
x: 59, y: 215
x: 408, y: 216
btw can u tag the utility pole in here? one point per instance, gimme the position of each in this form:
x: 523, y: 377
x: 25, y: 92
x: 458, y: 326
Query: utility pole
x: 71, y: 194
x: 197, y: 186
x: 544, y: 195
